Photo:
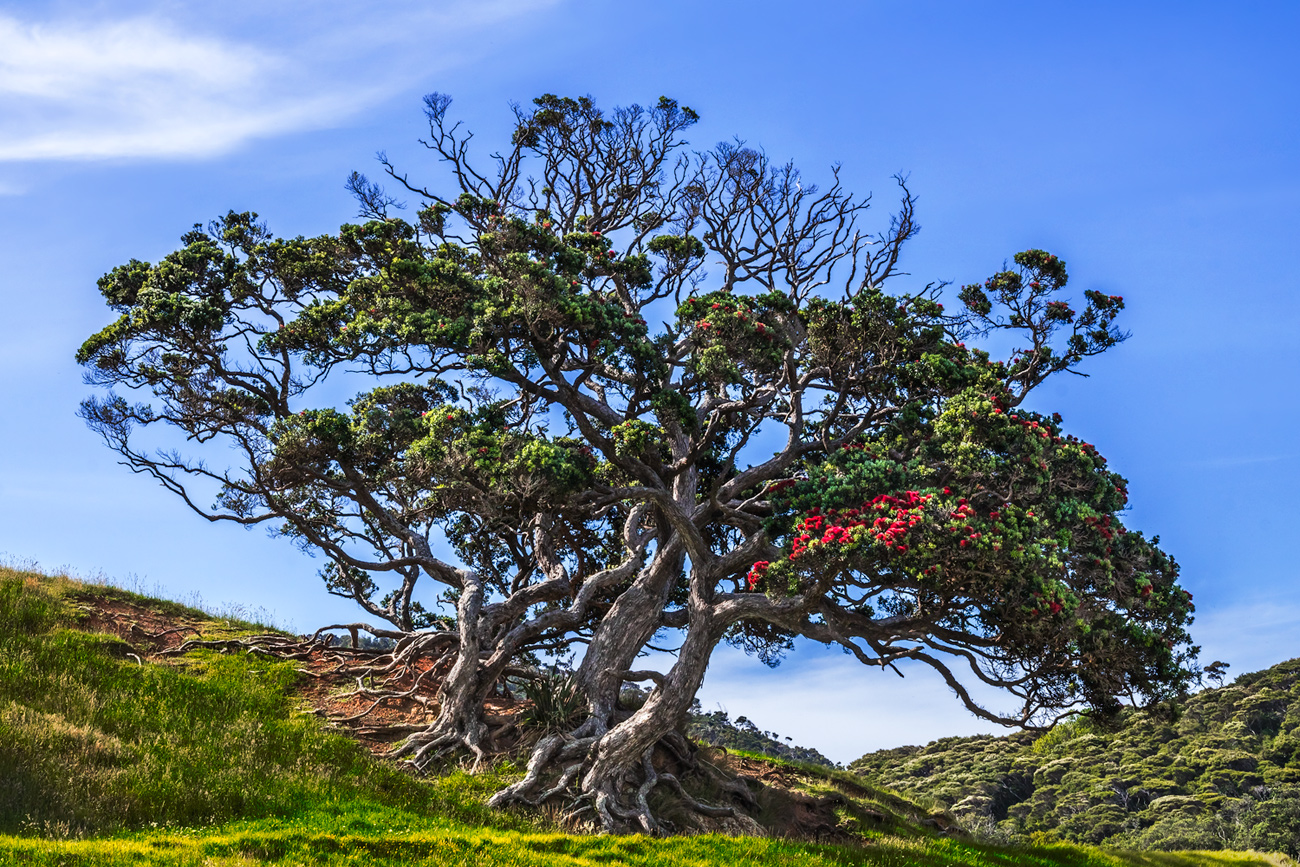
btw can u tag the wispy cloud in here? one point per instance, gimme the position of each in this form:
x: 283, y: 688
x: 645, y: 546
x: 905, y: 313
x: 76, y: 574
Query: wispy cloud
x: 1251, y: 633
x: 149, y: 84
x: 828, y: 701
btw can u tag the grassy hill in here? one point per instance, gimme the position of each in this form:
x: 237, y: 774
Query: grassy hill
x: 111, y: 756
x: 1224, y: 774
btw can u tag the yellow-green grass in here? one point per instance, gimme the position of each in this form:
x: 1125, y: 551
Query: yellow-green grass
x: 106, y: 761
x: 289, y: 843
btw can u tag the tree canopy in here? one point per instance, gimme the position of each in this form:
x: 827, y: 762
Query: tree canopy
x: 611, y: 388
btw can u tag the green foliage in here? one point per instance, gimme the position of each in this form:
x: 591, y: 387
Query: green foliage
x: 927, y: 511
x: 738, y: 339
x: 1223, y: 774
x: 556, y: 700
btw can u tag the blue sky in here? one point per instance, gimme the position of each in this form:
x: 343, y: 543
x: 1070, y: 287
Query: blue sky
x: 1153, y: 146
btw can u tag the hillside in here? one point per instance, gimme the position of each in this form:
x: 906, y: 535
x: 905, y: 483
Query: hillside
x: 1224, y: 774
x: 137, y: 731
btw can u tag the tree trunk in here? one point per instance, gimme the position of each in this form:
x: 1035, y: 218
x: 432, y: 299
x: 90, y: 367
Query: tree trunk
x: 460, y: 696
x: 621, y: 635
x: 623, y: 754
x: 623, y: 632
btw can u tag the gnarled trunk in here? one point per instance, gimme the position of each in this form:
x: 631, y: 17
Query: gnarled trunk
x: 460, y: 696
x: 611, y: 768
x: 623, y: 633
x: 621, y: 774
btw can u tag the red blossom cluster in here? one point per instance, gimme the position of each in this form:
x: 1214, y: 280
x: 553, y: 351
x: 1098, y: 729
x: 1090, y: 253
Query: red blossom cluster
x: 900, y: 514
x: 1052, y: 605
x: 895, y: 516
x: 1035, y: 428
x: 741, y: 310
x: 1102, y: 526
x: 960, y: 515
x: 1060, y: 311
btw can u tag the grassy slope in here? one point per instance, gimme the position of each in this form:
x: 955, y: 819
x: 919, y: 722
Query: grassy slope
x: 211, y: 762
x: 1225, y: 772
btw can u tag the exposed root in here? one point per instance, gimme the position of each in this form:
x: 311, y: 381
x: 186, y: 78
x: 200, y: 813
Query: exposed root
x: 365, y: 713
x: 277, y: 646
x: 566, y: 780
x: 386, y: 697
x: 443, y: 738
x: 733, y: 786
x: 619, y: 804
x: 380, y: 696
x: 159, y: 636
x: 699, y: 806
x: 522, y: 791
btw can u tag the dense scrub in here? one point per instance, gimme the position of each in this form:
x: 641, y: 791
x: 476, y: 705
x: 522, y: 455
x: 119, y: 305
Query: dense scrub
x: 1223, y: 774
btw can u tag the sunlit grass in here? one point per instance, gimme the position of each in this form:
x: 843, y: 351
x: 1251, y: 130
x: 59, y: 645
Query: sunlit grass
x: 316, y: 843
x: 92, y: 742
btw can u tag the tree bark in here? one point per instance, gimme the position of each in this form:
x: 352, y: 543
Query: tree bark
x: 460, y: 696
x: 623, y: 753
x: 632, y: 620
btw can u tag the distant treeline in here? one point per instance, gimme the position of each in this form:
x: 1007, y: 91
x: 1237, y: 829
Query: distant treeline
x: 718, y: 729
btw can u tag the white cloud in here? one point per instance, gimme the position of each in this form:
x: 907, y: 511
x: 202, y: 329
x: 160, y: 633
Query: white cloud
x: 1252, y: 633
x: 148, y: 85
x: 128, y: 88
x: 832, y: 703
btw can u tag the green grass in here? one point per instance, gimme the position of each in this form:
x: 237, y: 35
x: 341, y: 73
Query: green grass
x: 323, y: 843
x: 104, y: 761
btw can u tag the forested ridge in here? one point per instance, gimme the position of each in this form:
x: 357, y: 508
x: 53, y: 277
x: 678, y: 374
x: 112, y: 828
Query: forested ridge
x: 718, y: 729
x: 1222, y: 773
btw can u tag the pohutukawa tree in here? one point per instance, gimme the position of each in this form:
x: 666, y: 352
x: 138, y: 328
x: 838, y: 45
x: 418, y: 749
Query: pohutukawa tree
x: 626, y: 388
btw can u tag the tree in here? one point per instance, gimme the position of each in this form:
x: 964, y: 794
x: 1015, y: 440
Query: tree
x: 791, y: 451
